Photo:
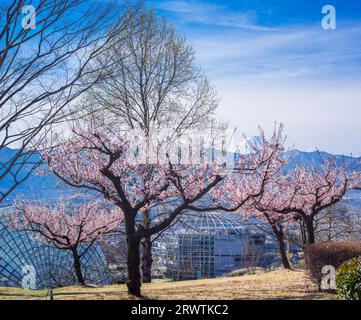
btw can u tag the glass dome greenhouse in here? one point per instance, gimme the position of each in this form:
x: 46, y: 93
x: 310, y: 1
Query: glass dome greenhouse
x: 207, y: 245
x: 53, y: 267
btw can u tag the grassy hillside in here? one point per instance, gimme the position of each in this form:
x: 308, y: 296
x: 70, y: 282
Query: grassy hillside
x: 281, y: 284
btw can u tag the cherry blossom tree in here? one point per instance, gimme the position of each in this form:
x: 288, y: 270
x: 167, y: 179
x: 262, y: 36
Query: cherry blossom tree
x: 75, y: 230
x: 102, y: 160
x: 307, y: 191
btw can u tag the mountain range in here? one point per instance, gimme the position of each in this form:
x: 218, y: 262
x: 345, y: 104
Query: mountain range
x: 41, y: 187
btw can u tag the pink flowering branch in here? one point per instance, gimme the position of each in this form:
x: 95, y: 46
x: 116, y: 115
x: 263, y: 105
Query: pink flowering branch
x: 76, y: 230
x: 305, y: 192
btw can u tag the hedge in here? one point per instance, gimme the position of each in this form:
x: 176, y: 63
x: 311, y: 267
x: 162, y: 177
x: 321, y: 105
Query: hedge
x: 331, y: 253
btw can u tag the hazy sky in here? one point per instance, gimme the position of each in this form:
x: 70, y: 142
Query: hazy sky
x: 272, y: 61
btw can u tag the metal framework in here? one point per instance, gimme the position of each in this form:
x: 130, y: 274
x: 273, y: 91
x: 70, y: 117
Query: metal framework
x: 53, y: 267
x: 207, y: 245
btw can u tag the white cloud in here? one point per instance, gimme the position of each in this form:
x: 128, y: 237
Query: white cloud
x: 209, y: 14
x: 326, y: 117
x: 301, y: 75
x: 285, y: 53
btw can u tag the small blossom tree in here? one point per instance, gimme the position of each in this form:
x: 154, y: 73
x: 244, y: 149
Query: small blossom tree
x: 306, y: 192
x: 75, y: 230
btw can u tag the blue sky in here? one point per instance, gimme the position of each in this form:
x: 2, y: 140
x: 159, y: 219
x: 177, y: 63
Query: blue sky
x: 271, y: 61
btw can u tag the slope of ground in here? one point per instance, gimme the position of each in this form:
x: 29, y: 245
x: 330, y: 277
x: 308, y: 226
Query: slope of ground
x: 282, y: 284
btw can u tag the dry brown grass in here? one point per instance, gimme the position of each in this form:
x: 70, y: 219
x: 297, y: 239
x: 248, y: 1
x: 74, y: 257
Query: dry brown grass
x: 278, y: 285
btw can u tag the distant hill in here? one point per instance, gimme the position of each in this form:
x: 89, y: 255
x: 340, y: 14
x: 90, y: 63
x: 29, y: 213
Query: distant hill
x: 38, y: 187
x: 316, y: 158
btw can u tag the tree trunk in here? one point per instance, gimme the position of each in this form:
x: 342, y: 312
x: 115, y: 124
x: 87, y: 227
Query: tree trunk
x: 310, y: 230
x: 133, y: 256
x: 147, y: 260
x: 77, y: 267
x: 133, y: 259
x: 303, y: 232
x: 278, y: 231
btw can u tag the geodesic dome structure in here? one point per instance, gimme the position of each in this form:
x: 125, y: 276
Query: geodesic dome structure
x: 211, y: 244
x: 53, y: 267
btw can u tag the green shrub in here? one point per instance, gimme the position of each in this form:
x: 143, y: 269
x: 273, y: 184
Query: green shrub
x: 348, y: 280
x: 331, y: 253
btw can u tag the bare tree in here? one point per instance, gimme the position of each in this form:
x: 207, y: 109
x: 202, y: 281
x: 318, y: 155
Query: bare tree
x: 335, y: 224
x: 251, y: 254
x: 45, y: 59
x: 356, y: 222
x: 151, y: 80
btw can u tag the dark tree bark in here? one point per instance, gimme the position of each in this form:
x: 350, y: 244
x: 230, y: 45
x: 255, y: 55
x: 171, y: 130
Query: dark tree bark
x: 310, y: 229
x: 303, y: 232
x: 133, y: 256
x: 279, y: 233
x: 147, y: 259
x: 134, y: 282
x: 77, y: 267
